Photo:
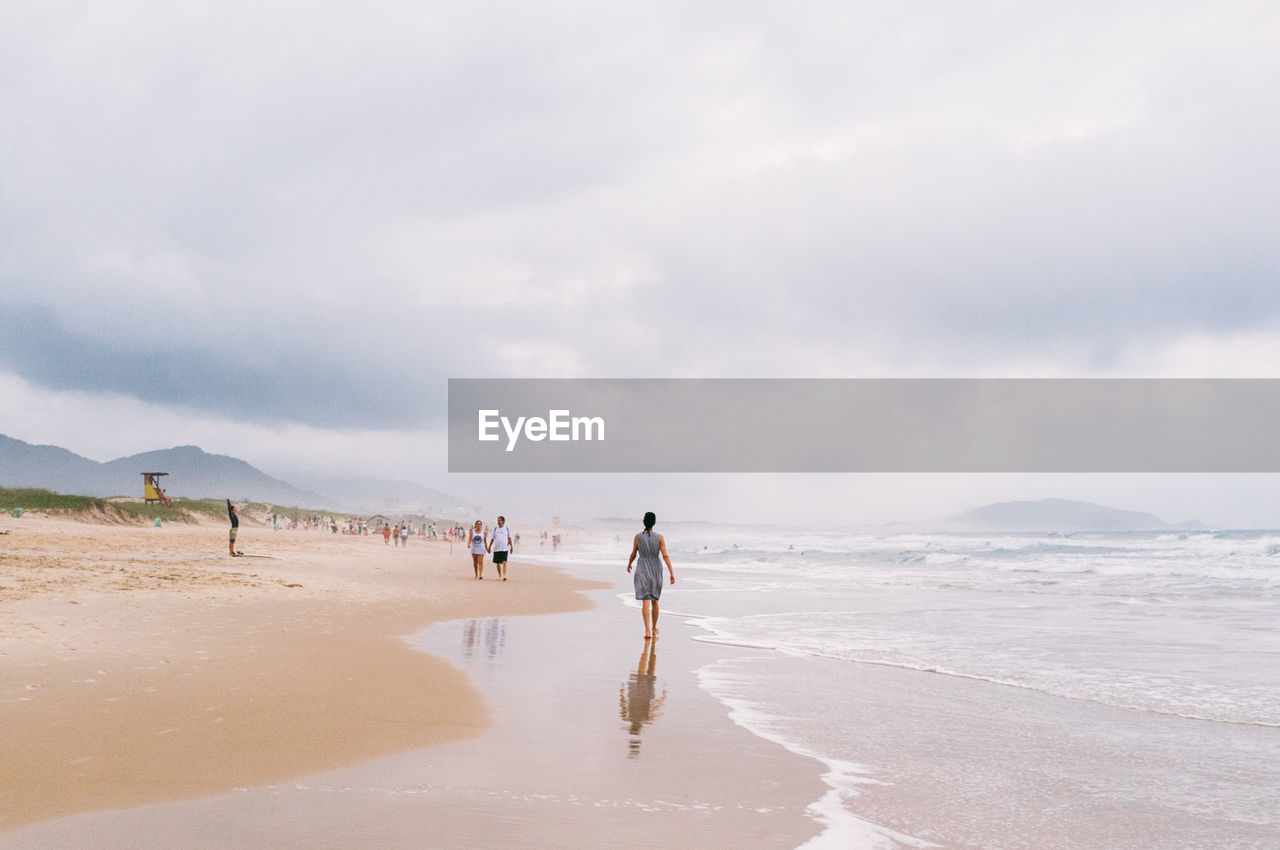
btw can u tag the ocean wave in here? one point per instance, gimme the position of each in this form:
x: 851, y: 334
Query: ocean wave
x: 865, y: 637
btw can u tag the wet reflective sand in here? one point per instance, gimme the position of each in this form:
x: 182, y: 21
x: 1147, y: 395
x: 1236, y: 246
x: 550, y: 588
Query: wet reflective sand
x: 592, y: 743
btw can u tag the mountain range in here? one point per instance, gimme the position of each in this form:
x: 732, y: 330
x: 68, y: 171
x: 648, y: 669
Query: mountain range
x: 196, y: 474
x: 1062, y: 515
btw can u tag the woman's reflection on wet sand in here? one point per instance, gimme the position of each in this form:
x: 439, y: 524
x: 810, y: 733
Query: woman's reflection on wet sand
x: 637, y: 702
x: 490, y: 633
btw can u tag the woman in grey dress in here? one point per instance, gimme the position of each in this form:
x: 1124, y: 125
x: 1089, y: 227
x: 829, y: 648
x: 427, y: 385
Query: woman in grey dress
x: 648, y: 576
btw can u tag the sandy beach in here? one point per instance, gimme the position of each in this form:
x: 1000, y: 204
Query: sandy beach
x: 143, y: 664
x: 152, y: 685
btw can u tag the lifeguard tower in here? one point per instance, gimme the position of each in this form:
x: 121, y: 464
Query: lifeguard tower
x: 151, y: 489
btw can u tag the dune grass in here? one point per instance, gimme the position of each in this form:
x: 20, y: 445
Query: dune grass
x: 43, y: 500
x: 182, y: 510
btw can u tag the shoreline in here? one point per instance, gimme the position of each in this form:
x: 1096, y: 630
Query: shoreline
x: 574, y: 742
x: 141, y: 667
x: 569, y: 761
x: 920, y: 756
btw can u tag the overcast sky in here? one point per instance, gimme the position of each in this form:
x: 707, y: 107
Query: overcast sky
x: 276, y: 229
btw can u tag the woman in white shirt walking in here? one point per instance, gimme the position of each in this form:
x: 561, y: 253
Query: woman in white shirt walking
x: 478, y: 549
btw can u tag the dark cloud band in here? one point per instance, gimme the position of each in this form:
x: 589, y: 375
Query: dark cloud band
x: 294, y: 379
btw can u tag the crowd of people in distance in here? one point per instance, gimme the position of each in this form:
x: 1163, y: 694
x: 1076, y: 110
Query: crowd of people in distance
x: 398, y: 532
x: 498, y: 541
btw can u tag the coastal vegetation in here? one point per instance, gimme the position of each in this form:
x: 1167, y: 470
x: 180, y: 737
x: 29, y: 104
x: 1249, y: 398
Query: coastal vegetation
x: 125, y: 509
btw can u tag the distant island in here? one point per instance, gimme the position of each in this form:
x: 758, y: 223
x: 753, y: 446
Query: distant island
x: 196, y: 474
x: 1060, y: 515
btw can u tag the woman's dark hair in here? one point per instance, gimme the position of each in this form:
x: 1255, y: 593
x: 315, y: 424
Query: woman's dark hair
x: 649, y: 520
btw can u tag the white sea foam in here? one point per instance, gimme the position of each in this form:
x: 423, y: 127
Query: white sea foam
x: 1174, y: 623
x: 1178, y: 624
x: 841, y: 827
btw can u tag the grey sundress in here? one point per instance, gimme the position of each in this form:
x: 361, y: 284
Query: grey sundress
x: 648, y: 574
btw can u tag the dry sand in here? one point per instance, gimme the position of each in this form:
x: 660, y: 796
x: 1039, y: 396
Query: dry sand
x: 143, y: 665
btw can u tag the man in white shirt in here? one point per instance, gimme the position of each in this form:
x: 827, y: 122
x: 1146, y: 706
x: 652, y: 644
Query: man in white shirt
x: 500, y: 544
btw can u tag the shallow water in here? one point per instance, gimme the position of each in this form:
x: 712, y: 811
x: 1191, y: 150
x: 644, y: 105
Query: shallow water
x: 1010, y: 690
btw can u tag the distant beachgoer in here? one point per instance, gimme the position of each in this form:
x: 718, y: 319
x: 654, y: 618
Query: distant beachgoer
x: 386, y: 533
x: 648, y: 575
x: 235, y: 527
x: 500, y: 544
x: 404, y: 536
x: 478, y: 549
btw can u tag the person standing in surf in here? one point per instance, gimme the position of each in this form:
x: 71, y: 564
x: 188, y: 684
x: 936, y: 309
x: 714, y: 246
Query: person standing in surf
x: 648, y: 575
x: 235, y: 527
x: 478, y: 549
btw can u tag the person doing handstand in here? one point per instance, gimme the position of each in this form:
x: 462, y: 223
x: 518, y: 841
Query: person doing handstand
x: 235, y: 526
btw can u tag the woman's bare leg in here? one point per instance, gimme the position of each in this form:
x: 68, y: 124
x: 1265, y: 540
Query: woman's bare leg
x: 654, y: 619
x: 645, y: 611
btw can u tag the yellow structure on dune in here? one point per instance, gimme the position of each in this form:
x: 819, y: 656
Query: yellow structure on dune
x: 151, y: 489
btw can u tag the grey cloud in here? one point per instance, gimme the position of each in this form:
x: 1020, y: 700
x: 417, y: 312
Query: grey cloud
x: 365, y: 204
x: 288, y: 385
